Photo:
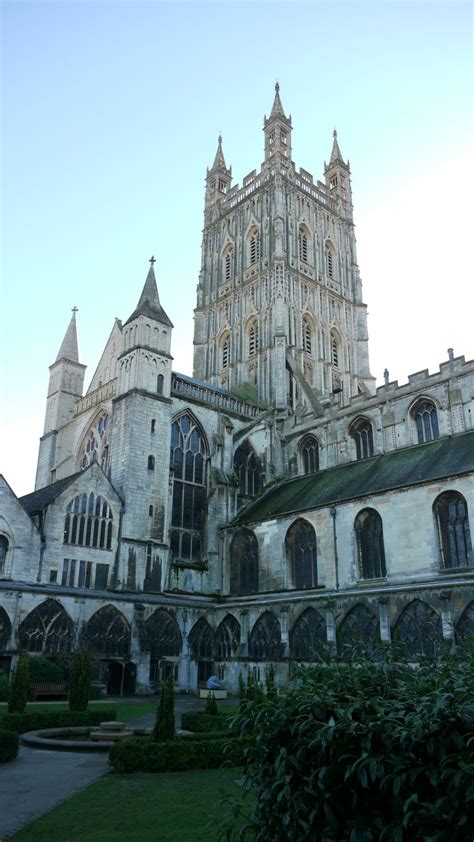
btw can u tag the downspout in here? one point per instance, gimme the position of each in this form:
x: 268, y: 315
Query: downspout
x: 42, y: 546
x: 333, y: 513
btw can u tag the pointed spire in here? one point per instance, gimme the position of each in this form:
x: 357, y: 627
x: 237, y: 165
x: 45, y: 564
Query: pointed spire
x: 219, y: 161
x: 277, y: 108
x: 69, y: 348
x: 149, y: 301
x: 336, y: 152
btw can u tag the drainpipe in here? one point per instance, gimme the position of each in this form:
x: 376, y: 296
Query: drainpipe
x: 333, y: 513
x: 42, y: 546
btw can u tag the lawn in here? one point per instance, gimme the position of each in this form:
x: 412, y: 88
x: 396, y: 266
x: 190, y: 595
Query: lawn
x: 167, y: 807
x: 125, y: 710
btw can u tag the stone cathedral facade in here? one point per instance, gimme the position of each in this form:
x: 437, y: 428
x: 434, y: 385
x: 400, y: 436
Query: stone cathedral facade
x: 271, y: 507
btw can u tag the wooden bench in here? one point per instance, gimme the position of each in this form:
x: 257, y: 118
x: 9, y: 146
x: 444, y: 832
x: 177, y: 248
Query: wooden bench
x: 218, y: 694
x: 40, y: 689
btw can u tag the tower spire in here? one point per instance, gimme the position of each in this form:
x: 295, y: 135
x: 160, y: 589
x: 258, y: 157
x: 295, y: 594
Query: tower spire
x: 335, y: 152
x: 149, y: 301
x: 277, y: 107
x: 69, y: 349
x: 277, y: 129
x: 219, y: 160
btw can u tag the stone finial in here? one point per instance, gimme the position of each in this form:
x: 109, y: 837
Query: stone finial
x: 450, y: 355
x: 386, y: 376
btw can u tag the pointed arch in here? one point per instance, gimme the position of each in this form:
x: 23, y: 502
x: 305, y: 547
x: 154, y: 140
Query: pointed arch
x: 361, y: 432
x: 418, y: 630
x: 265, y: 638
x: 228, y: 637
x: 107, y: 634
x: 94, y: 445
x: 88, y: 522
x: 336, y: 345
x: 5, y: 629
x: 465, y: 624
x: 47, y: 630
x: 248, y: 469
x: 300, y: 543
x: 424, y: 413
x: 359, y: 632
x: 4, y: 547
x: 162, y: 637
x: 225, y: 345
x: 188, y: 461
x: 253, y: 336
x: 309, y: 452
x: 227, y: 261
x: 304, y: 239
x: 450, y: 511
x: 202, y: 640
x: 330, y: 259
x: 307, y: 334
x: 370, y: 547
x: 253, y: 244
x: 308, y: 636
x: 244, y: 562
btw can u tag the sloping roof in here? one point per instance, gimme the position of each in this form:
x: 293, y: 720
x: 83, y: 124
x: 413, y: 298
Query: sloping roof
x: 149, y: 302
x: 39, y: 500
x: 409, y: 466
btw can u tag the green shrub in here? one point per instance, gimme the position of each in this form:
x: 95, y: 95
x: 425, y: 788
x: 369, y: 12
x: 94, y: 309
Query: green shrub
x: 9, y: 744
x: 211, y: 708
x: 201, y: 721
x: 42, y: 670
x: 21, y: 722
x: 362, y: 752
x: 80, y: 680
x: 95, y: 692
x: 142, y: 754
x: 164, y: 725
x: 19, y: 686
x: 3, y: 686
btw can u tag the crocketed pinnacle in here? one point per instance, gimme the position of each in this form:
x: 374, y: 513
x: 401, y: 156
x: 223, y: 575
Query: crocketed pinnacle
x: 277, y: 108
x: 219, y: 161
x: 336, y: 152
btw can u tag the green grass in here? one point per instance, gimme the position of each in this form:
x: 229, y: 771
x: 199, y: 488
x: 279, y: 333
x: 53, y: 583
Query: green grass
x: 168, y: 807
x: 125, y: 710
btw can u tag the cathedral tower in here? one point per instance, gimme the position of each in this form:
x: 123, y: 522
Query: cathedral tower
x: 279, y: 302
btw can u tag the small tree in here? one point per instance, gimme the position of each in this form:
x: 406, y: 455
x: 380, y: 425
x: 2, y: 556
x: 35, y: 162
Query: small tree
x: 211, y: 705
x: 19, y: 686
x: 164, y: 726
x: 80, y: 680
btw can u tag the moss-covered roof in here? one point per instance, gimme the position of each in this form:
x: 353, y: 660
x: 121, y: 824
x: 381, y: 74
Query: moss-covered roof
x: 409, y: 466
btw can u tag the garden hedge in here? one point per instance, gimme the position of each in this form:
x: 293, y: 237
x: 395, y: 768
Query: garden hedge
x: 3, y: 686
x: 21, y: 722
x: 9, y: 743
x: 141, y: 754
x: 199, y: 721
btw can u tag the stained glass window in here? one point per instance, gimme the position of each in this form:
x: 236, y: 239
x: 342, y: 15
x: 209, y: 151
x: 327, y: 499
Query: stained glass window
x: 265, y: 638
x: 454, y: 533
x: 309, y: 449
x: 301, y: 553
x: 88, y: 522
x: 426, y: 420
x: 370, y: 547
x: 188, y: 461
x: 363, y: 436
x: 248, y: 469
x: 308, y: 636
x: 244, y: 563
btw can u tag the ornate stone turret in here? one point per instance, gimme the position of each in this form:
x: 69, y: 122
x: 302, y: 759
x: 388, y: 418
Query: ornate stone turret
x: 337, y: 175
x: 218, y: 178
x: 277, y: 130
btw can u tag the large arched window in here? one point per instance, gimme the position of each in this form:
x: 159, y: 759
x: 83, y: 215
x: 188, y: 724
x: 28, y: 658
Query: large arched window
x: 358, y: 632
x: 244, y: 562
x: 419, y: 630
x: 5, y: 629
x: 249, y: 472
x: 160, y: 635
x: 201, y: 640
x: 3, y: 553
x: 47, y: 630
x: 450, y: 510
x: 107, y: 634
x: 303, y: 244
x: 307, y: 336
x: 370, y: 548
x: 308, y: 636
x: 95, y: 445
x: 425, y: 416
x: 363, y: 437
x: 254, y: 246
x: 301, y: 553
x: 188, y: 462
x: 265, y: 638
x: 309, y: 450
x: 88, y: 522
x: 253, y: 338
x: 227, y: 637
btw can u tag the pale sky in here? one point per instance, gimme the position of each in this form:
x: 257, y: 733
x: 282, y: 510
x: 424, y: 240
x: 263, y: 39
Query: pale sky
x: 110, y: 115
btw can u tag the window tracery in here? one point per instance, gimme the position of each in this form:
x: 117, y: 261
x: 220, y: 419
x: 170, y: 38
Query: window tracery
x: 188, y: 462
x: 88, y: 522
x: 265, y: 638
x: 419, y: 631
x: 201, y: 640
x: 248, y: 469
x: 308, y: 636
x: 307, y: 336
x: 227, y: 637
x: 301, y: 553
x: 47, y: 630
x: 254, y: 246
x: 253, y: 339
x: 95, y: 446
x: 4, y: 544
x: 425, y: 416
x: 450, y: 510
x: 309, y: 450
x: 363, y: 437
x: 244, y: 562
x: 107, y: 634
x: 359, y: 632
x: 161, y: 636
x: 370, y: 546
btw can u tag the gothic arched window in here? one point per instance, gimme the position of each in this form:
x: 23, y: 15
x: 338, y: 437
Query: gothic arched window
x: 107, y: 634
x: 95, y: 445
x: 358, y: 632
x: 335, y: 349
x: 254, y: 246
x: 450, y: 510
x: 161, y: 635
x: 307, y: 336
x: 225, y: 347
x: 308, y: 636
x: 47, y: 630
x: 370, y: 547
x: 3, y: 553
x: 244, y: 563
x: 303, y: 243
x: 88, y: 522
x: 265, y: 638
x: 5, y: 629
x: 228, y: 263
x: 227, y: 637
x: 188, y: 462
x: 419, y: 631
x: 253, y: 338
x: 309, y: 449
x: 330, y: 261
x: 363, y: 437
x: 159, y: 384
x: 201, y: 640
x: 301, y: 553
x: 425, y: 416
x: 248, y: 469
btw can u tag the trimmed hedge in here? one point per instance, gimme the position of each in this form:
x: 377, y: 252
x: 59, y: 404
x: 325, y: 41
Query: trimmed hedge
x: 141, y: 754
x: 199, y: 721
x: 3, y: 686
x: 21, y: 722
x: 9, y: 744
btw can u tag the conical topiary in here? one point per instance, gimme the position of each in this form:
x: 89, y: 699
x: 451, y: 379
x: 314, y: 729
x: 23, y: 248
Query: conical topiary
x: 80, y: 680
x: 19, y: 686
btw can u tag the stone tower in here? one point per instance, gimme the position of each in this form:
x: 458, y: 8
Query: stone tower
x: 66, y: 382
x: 279, y: 301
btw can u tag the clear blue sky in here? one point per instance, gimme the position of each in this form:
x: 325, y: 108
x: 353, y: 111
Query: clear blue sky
x: 110, y: 115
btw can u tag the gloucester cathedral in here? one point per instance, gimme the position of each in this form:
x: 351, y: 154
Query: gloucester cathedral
x: 273, y: 506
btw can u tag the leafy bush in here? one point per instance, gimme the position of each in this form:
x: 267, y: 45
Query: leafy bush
x: 80, y: 680
x: 95, y: 692
x: 21, y: 722
x: 44, y: 670
x: 142, y: 754
x: 211, y: 708
x: 19, y: 685
x: 201, y: 721
x: 362, y: 752
x: 164, y: 725
x: 9, y: 744
x: 3, y: 686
